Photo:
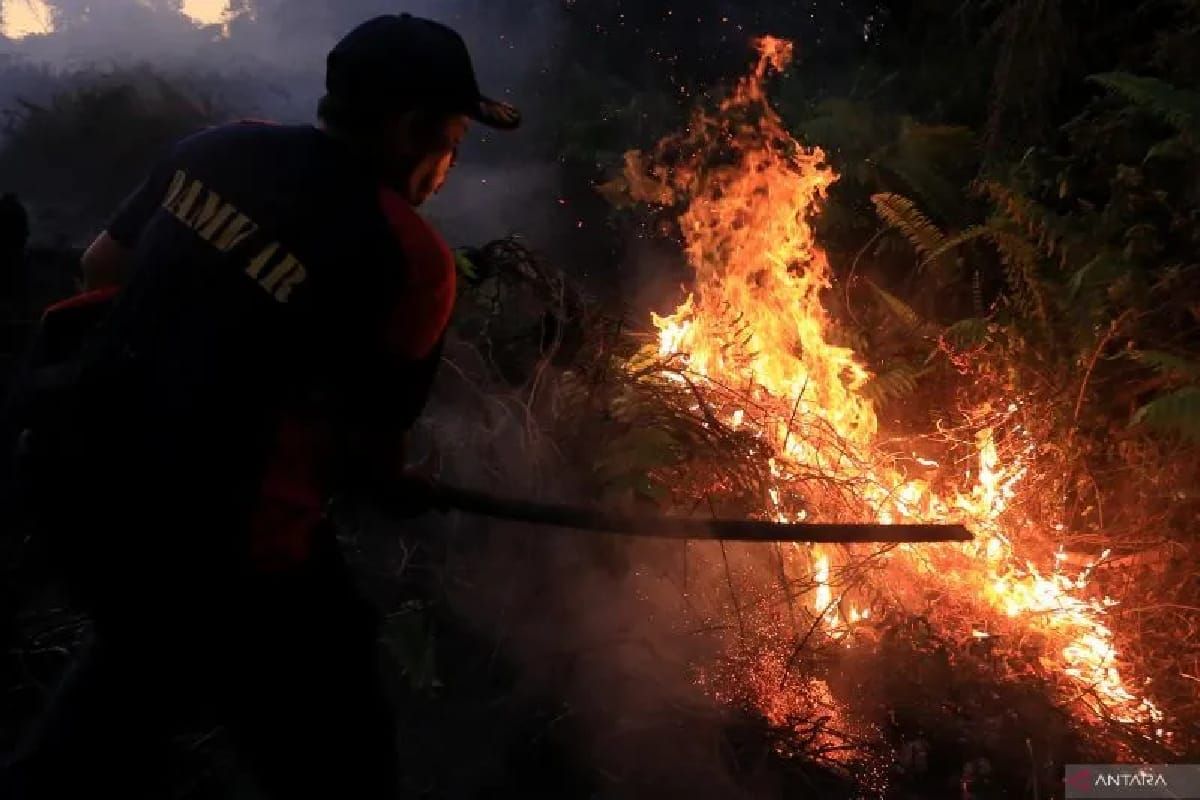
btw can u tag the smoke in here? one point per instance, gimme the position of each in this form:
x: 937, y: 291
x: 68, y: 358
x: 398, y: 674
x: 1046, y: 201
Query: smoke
x: 268, y: 61
x: 593, y: 620
x: 608, y: 628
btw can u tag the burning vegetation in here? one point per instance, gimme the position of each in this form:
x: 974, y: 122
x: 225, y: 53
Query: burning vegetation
x: 886, y: 318
x: 769, y: 413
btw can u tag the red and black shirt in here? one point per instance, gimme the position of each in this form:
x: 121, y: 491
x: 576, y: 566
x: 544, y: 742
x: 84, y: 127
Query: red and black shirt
x: 284, y: 312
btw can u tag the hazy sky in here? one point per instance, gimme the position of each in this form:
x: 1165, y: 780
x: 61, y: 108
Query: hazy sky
x: 275, y: 50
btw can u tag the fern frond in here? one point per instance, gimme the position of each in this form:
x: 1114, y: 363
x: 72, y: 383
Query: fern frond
x: 899, y: 309
x: 1179, y: 108
x: 1047, y: 233
x: 928, y: 160
x: 1020, y: 259
x: 1100, y: 271
x: 957, y: 240
x: 896, y: 383
x: 902, y: 214
x: 1168, y: 363
x: 1176, y: 412
x: 966, y: 333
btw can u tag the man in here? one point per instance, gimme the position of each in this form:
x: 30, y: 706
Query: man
x: 275, y: 334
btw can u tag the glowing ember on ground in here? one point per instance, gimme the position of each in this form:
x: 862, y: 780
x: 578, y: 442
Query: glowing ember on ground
x: 755, y: 319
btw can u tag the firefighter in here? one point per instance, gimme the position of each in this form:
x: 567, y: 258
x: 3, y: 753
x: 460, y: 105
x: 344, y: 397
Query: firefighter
x: 277, y: 326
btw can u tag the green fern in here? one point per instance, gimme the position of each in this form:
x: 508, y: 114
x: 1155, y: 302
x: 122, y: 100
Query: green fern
x: 466, y: 267
x: 898, y: 308
x: 896, y: 383
x: 966, y: 333
x: 929, y: 162
x: 902, y: 214
x: 1020, y: 259
x: 1176, y: 412
x: 958, y: 240
x: 1176, y: 149
x: 1044, y: 229
x: 1168, y: 364
x: 1100, y: 272
x: 1177, y: 107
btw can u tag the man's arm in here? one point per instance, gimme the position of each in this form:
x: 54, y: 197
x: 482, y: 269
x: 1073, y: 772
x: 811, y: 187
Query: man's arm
x: 396, y: 403
x: 105, y: 262
x: 412, y: 336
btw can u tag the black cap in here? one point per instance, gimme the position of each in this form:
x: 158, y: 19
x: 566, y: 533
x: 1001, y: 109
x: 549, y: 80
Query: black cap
x: 398, y: 61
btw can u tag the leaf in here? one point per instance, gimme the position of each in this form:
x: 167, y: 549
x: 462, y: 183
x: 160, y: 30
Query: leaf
x: 1176, y: 412
x: 896, y: 383
x: 1046, y: 232
x: 843, y: 126
x: 967, y: 333
x: 957, y: 240
x: 902, y: 214
x: 1176, y: 148
x: 1168, y: 363
x: 900, y: 309
x: 465, y: 266
x: 1177, y: 107
x: 1101, y: 271
x: 1020, y: 259
x: 931, y: 161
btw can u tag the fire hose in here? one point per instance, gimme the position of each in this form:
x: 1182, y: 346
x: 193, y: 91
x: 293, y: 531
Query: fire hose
x: 72, y: 318
x: 659, y: 526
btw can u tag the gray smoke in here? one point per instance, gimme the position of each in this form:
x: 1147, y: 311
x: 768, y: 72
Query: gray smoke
x: 594, y: 621
x: 270, y: 64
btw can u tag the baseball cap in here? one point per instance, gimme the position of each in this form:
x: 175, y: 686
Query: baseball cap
x: 398, y: 61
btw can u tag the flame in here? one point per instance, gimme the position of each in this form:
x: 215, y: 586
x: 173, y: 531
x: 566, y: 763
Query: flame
x: 22, y: 18
x: 755, y: 318
x: 206, y: 12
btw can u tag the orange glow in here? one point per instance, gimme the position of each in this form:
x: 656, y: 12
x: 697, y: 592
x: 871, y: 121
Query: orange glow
x: 755, y: 318
x: 22, y: 18
x: 206, y: 12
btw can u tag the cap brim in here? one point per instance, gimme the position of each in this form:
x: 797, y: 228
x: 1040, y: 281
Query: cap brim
x: 495, y: 114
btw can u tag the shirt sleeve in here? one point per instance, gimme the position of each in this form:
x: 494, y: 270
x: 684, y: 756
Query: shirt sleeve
x: 127, y: 223
x: 409, y: 387
x: 393, y: 371
x: 422, y: 308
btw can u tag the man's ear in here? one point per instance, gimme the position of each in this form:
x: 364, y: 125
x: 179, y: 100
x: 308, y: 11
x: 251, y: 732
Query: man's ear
x: 408, y: 131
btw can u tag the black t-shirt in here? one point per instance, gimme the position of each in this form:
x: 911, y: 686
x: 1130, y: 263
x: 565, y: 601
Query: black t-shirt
x: 280, y: 306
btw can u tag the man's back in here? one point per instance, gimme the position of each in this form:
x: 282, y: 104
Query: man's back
x: 268, y: 272
x: 276, y: 333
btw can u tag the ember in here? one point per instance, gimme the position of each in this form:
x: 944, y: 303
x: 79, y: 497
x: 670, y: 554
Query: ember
x: 754, y: 337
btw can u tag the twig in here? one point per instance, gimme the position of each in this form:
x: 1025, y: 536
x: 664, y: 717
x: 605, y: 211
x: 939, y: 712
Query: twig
x: 792, y: 418
x: 1112, y: 330
x: 853, y: 269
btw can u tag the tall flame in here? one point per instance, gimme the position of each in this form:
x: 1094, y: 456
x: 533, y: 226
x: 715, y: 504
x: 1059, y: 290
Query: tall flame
x: 755, y: 319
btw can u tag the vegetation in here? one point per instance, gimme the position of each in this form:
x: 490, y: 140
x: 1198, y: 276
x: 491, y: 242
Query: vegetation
x: 1026, y: 234
x: 74, y: 158
x: 1015, y: 218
